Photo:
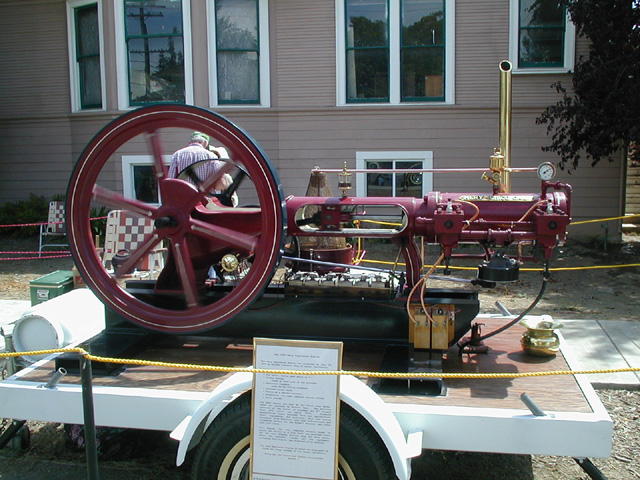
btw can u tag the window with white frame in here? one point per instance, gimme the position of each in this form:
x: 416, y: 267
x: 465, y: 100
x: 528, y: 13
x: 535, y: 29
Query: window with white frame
x: 542, y: 37
x: 383, y: 181
x: 395, y: 51
x: 239, y: 52
x: 84, y: 22
x: 153, y: 52
x: 139, y: 179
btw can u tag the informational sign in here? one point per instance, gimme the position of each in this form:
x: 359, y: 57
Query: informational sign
x: 295, y: 417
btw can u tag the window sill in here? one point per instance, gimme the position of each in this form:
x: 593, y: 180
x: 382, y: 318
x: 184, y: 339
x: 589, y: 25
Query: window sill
x: 542, y: 71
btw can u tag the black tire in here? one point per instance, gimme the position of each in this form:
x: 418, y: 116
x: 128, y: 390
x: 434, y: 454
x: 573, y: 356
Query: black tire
x: 223, y: 453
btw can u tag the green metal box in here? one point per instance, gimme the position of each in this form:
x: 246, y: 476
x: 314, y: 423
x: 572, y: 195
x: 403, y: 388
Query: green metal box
x: 50, y: 286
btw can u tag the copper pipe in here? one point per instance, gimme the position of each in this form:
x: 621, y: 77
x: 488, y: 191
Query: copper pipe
x: 505, y: 124
x: 417, y: 170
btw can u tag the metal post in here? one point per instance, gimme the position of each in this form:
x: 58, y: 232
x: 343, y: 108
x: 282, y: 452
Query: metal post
x: 10, y: 432
x: 591, y: 470
x: 91, y: 447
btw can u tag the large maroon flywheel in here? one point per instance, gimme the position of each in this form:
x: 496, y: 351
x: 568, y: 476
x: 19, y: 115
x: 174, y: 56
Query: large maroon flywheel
x: 196, y: 238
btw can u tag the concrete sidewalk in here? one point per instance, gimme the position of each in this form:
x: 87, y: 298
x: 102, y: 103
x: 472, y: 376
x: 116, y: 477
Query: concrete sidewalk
x: 593, y: 345
x: 604, y: 344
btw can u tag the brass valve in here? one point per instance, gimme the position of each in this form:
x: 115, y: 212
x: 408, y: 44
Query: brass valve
x: 498, y: 167
x: 344, y: 181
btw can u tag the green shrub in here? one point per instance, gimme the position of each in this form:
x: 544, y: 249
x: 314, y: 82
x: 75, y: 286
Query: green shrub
x: 99, y: 227
x: 33, y: 210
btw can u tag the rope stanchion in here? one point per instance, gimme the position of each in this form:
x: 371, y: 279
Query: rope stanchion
x: 356, y: 373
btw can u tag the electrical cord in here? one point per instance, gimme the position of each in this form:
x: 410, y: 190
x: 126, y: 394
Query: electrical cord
x: 545, y: 279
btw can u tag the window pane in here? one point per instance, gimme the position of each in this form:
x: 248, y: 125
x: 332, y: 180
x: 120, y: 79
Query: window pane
x: 541, y: 13
x: 368, y: 74
x: 156, y: 69
x: 91, y: 90
x: 153, y: 17
x: 238, y: 77
x: 408, y: 184
x: 237, y: 24
x: 367, y: 23
x: 88, y: 56
x: 144, y: 183
x: 87, y: 30
x: 422, y: 22
x: 544, y: 47
x: 422, y: 72
x: 379, y: 184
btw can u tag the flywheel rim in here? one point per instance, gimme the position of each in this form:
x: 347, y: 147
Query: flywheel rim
x: 84, y: 182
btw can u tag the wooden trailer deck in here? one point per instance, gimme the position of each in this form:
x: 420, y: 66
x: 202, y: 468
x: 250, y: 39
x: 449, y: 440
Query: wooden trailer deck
x: 553, y: 393
x: 160, y: 398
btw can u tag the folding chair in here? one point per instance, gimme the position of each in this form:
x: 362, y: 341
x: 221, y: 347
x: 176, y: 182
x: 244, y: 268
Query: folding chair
x: 124, y: 234
x: 54, y: 229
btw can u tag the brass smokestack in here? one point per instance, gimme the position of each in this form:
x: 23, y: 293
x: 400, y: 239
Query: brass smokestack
x: 505, y: 124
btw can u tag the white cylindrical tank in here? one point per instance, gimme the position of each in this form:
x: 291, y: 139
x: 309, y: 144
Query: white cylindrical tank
x: 73, y: 317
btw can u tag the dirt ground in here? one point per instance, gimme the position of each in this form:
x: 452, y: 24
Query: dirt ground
x: 603, y: 293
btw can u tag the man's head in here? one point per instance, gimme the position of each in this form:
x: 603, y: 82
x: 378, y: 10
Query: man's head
x: 201, y: 138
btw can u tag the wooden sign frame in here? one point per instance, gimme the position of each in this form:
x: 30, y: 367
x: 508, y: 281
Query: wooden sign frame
x: 295, y: 419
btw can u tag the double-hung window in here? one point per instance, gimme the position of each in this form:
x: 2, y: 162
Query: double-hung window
x: 85, y: 58
x: 154, y: 56
x: 395, y: 51
x: 391, y: 174
x: 239, y: 53
x: 155, y: 50
x: 542, y: 36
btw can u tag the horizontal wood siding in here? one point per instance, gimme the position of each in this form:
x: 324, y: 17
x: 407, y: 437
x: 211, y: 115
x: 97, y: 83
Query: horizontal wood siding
x: 34, y: 65
x: 35, y: 157
x: 633, y: 191
x: 305, y: 53
x: 482, y: 41
x: 40, y: 139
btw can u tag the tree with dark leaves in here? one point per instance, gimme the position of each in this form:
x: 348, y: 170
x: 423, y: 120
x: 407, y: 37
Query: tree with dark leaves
x: 601, y: 114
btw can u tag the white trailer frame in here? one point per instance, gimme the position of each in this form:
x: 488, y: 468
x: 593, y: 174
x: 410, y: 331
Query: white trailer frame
x: 405, y: 428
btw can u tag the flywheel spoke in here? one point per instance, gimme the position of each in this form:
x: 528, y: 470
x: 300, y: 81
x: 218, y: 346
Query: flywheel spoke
x: 117, y: 200
x: 159, y: 167
x: 228, y: 236
x: 185, y: 272
x: 206, y: 186
x: 149, y: 242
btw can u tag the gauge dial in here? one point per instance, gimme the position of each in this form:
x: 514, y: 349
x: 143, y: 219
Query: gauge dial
x: 546, y: 171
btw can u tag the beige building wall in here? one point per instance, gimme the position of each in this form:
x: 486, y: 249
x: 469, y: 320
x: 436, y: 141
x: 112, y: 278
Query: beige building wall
x: 40, y: 138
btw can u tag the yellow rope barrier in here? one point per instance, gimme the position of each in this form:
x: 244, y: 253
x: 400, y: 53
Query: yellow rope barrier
x: 213, y: 368
x: 606, y: 219
x: 610, y: 219
x: 555, y: 269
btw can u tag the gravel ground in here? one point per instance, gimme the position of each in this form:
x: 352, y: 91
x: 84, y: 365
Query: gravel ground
x: 606, y: 294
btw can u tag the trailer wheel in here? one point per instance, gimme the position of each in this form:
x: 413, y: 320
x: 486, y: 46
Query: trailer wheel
x: 223, y: 453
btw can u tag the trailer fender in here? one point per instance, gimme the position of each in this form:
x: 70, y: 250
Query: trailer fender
x: 352, y: 391
x: 375, y: 411
x: 190, y: 430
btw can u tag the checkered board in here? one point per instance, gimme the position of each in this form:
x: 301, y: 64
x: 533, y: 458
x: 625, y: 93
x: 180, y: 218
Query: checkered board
x: 125, y: 232
x: 56, y: 215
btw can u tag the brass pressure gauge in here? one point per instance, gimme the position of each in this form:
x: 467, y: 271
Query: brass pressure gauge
x: 546, y: 171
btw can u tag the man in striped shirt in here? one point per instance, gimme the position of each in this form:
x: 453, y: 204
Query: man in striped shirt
x: 195, y: 152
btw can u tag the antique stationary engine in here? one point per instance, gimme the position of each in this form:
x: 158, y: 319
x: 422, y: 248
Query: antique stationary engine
x: 219, y: 278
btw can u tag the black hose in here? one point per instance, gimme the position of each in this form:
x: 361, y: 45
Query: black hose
x: 545, y: 278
